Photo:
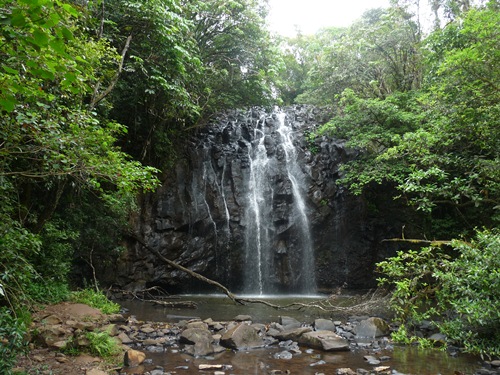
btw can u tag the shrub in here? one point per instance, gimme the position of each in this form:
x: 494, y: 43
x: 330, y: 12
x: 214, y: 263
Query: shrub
x: 95, y: 299
x: 471, y: 291
x: 102, y: 344
x: 460, y: 289
x: 12, y: 339
x: 48, y: 291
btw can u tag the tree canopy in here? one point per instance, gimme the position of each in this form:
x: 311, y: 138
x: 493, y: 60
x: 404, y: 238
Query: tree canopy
x: 97, y: 97
x: 423, y: 110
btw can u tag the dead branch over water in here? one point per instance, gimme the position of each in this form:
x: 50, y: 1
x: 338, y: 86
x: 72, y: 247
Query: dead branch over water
x: 372, y: 301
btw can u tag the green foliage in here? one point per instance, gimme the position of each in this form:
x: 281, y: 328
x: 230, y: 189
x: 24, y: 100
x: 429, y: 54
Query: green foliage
x: 102, y: 344
x: 48, y: 291
x: 401, y: 335
x: 375, y: 57
x: 437, y: 146
x: 95, y: 299
x: 16, y: 272
x: 411, y: 274
x: 471, y: 289
x: 239, y: 61
x: 187, y: 61
x: 310, y: 138
x: 12, y: 339
x: 54, y: 144
x: 459, y: 290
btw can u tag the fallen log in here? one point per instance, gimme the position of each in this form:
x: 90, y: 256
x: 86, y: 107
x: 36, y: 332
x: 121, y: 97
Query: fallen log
x: 175, y: 304
x: 435, y: 243
x: 324, y: 305
x: 186, y: 270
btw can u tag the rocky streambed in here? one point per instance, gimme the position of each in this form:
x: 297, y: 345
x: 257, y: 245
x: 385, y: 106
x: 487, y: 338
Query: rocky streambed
x: 359, y: 345
x: 208, y: 341
x: 356, y: 345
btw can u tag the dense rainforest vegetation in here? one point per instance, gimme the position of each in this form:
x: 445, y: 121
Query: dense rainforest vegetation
x: 96, y: 98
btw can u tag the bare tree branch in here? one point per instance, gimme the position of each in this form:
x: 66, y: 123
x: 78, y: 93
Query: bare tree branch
x: 98, y: 97
x: 187, y: 270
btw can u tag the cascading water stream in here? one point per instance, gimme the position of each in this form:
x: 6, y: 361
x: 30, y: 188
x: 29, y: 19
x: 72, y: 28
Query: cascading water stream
x: 257, y: 239
x: 268, y: 249
x: 244, y: 203
x: 293, y: 171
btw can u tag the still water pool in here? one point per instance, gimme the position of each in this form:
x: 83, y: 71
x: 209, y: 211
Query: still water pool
x: 403, y: 359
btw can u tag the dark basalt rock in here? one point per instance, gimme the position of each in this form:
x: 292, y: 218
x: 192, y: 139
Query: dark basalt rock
x: 198, y: 217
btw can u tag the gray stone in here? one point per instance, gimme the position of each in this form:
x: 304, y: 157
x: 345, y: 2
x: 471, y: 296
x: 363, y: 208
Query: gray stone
x: 345, y: 371
x: 241, y: 337
x: 292, y: 334
x: 52, y: 320
x: 371, y: 328
x: 199, y: 341
x: 288, y: 322
x: 438, y: 337
x: 324, y: 324
x: 54, y: 336
x: 124, y: 338
x: 285, y: 354
x: 321, y: 362
x: 324, y: 340
x: 197, y: 324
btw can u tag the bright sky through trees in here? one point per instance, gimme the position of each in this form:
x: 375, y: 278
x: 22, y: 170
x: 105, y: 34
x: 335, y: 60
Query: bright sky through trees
x: 286, y: 16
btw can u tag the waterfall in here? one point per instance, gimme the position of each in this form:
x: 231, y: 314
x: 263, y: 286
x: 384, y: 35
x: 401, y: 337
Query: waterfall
x: 249, y: 201
x: 257, y: 241
x: 278, y: 244
x: 303, y: 227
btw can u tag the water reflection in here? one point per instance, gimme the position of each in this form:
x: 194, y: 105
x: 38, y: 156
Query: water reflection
x: 219, y: 307
x: 406, y: 360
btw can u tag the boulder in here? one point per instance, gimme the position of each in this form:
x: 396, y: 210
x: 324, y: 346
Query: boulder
x: 133, y: 358
x: 199, y: 341
x: 242, y: 337
x: 292, y: 334
x: 289, y: 322
x: 197, y: 324
x: 123, y: 337
x: 438, y: 338
x: 53, y: 336
x: 52, y: 320
x: 325, y: 340
x: 371, y: 328
x: 242, y: 318
x: 324, y: 325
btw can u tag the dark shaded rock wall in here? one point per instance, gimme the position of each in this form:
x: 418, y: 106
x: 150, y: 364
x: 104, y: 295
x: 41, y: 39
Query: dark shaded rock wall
x: 199, y: 218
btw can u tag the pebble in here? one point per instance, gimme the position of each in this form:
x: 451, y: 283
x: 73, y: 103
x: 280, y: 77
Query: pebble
x: 283, y: 355
x: 317, y: 363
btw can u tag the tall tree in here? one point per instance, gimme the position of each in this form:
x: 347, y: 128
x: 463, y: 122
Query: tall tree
x: 236, y: 50
x: 439, y: 147
x: 154, y: 96
x: 375, y: 57
x: 51, y: 141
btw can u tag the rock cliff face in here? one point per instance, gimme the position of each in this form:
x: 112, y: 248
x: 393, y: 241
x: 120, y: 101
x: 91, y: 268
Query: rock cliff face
x: 255, y: 205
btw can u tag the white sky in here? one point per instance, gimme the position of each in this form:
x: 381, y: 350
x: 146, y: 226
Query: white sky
x: 311, y: 15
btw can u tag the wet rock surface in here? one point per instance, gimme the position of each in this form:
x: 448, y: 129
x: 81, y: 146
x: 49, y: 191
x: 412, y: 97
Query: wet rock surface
x: 290, y: 348
x: 200, y: 216
x: 237, y: 346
